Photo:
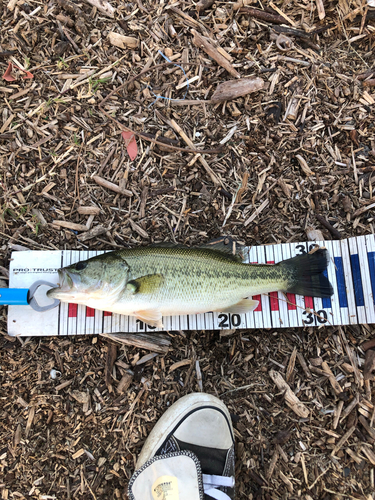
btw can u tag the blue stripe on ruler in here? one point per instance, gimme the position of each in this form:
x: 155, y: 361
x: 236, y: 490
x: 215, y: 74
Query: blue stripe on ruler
x: 357, y: 280
x: 371, y: 265
x: 326, y: 301
x: 340, y: 277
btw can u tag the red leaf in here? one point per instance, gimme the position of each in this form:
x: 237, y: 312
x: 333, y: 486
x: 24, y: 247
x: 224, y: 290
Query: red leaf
x: 131, y: 144
x: 8, y: 74
x: 28, y: 75
x: 10, y: 78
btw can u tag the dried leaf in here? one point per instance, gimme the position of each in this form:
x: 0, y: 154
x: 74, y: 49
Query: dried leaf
x: 131, y: 144
x: 9, y: 77
x: 8, y: 74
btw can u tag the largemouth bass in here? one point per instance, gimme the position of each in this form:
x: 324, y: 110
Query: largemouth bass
x: 155, y: 281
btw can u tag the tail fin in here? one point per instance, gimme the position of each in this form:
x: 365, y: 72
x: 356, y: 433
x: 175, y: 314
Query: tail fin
x: 306, y: 274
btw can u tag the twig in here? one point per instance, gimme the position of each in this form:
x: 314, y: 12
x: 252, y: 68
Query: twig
x: 69, y: 225
x: 65, y: 31
x: 335, y: 385
x: 352, y: 360
x: 303, y: 363
x: 292, y: 32
x: 204, y: 44
x: 204, y: 4
x: 328, y: 226
x: 320, y: 8
x: 103, y: 6
x: 199, y: 375
x: 155, y: 342
x: 110, y: 185
x: 350, y: 407
x: 291, y: 399
x: 343, y: 440
x: 262, y: 15
x: 337, y: 414
x: 281, y: 13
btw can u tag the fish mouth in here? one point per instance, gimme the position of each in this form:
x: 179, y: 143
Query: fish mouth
x: 65, y: 280
x: 66, y: 285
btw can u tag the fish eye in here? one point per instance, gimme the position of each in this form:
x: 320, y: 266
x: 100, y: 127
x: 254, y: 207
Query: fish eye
x: 80, y: 266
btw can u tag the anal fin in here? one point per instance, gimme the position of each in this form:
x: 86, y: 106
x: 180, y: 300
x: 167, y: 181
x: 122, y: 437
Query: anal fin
x: 151, y: 317
x: 242, y: 307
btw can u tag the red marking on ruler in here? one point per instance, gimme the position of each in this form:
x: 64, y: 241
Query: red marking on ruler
x: 257, y: 297
x: 90, y: 312
x: 259, y: 306
x: 274, y: 301
x: 309, y: 303
x: 106, y: 313
x: 292, y: 306
x: 72, y: 310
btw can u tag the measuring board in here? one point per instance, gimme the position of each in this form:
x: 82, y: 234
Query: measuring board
x: 351, y: 271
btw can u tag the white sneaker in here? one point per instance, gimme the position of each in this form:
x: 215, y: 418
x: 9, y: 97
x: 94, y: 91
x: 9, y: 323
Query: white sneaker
x: 189, y: 454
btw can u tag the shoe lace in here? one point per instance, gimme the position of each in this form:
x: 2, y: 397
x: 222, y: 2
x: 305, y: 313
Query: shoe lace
x: 212, y: 482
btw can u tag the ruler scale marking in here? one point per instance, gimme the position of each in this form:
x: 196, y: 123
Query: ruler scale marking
x: 340, y: 280
x: 348, y: 282
x: 290, y: 297
x: 296, y: 249
x: 90, y: 312
x: 64, y: 307
x: 370, y: 247
x: 283, y: 306
x: 266, y: 311
x: 98, y: 315
x: 257, y: 313
x: 334, y: 316
x: 322, y: 307
x: 249, y: 317
x: 366, y: 280
x: 273, y: 302
x: 359, y: 299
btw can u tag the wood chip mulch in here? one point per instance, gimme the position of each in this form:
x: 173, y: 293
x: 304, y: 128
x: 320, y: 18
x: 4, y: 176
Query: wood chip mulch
x: 271, y: 140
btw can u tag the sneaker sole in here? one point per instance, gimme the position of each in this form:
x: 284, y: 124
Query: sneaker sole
x: 170, y: 419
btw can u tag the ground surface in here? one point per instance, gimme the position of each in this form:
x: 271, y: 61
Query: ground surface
x: 301, y: 148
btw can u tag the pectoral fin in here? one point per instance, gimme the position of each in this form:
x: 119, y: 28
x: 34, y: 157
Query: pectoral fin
x: 145, y: 284
x: 242, y: 307
x: 151, y: 317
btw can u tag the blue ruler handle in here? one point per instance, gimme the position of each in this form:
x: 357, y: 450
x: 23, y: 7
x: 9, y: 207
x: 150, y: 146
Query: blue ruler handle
x: 14, y: 296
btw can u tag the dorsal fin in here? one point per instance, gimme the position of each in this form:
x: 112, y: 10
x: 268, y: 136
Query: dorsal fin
x: 224, y: 245
x: 227, y: 246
